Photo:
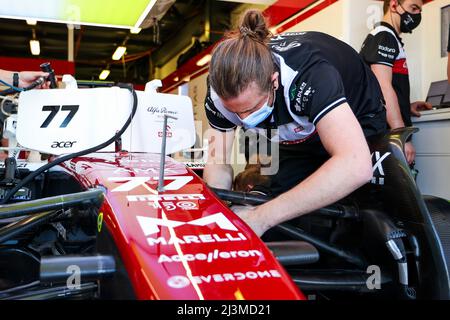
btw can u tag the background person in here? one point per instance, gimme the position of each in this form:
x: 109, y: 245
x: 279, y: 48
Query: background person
x: 384, y: 51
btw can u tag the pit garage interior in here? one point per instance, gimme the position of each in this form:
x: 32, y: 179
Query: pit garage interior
x: 104, y: 44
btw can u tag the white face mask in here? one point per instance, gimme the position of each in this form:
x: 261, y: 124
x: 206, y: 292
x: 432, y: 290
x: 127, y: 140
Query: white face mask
x: 255, y: 118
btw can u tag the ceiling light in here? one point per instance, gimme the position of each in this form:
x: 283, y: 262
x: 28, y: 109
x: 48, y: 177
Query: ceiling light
x: 135, y: 30
x: 81, y: 12
x: 206, y: 59
x: 31, y: 22
x: 104, y: 74
x: 176, y: 79
x: 35, y: 47
x: 119, y: 52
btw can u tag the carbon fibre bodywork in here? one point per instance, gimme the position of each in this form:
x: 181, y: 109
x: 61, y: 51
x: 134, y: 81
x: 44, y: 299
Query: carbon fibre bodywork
x: 425, y: 219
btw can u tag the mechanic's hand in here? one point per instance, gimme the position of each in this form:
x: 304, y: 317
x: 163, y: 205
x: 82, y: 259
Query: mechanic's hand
x: 418, y: 106
x: 410, y: 152
x: 250, y: 216
x: 26, y: 78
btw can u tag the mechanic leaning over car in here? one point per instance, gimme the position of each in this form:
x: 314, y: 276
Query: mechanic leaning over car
x: 383, y: 50
x: 320, y: 95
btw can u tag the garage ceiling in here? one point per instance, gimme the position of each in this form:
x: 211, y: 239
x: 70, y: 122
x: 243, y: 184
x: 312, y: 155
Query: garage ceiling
x: 94, y: 46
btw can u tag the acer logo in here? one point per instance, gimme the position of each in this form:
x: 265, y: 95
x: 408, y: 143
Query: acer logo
x: 151, y: 225
x: 63, y: 144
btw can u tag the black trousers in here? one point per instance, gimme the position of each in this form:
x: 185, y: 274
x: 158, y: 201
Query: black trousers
x: 296, y: 163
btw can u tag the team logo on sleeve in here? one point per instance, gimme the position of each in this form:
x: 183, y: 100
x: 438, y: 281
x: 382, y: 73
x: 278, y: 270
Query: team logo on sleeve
x: 386, y: 52
x: 304, y: 95
x: 284, y: 46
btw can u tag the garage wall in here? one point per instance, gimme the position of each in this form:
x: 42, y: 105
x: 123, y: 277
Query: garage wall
x: 197, y: 92
x: 347, y: 20
x: 329, y: 20
x: 352, y: 20
x: 359, y: 19
x: 424, y: 51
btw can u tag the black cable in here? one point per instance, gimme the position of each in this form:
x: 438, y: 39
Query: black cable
x: 30, y: 222
x: 13, y: 89
x: 34, y: 84
x: 92, y: 197
x: 244, y: 198
x: 49, y: 165
x: 24, y: 286
x: 300, y: 234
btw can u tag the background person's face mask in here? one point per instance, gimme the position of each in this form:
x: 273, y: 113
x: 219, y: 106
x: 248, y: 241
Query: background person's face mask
x: 255, y: 118
x: 409, y: 21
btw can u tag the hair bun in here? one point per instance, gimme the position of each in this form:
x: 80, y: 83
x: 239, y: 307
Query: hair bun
x: 246, y: 32
x: 243, y: 58
x: 254, y: 25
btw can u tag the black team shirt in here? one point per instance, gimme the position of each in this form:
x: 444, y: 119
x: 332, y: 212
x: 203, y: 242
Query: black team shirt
x: 384, y: 46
